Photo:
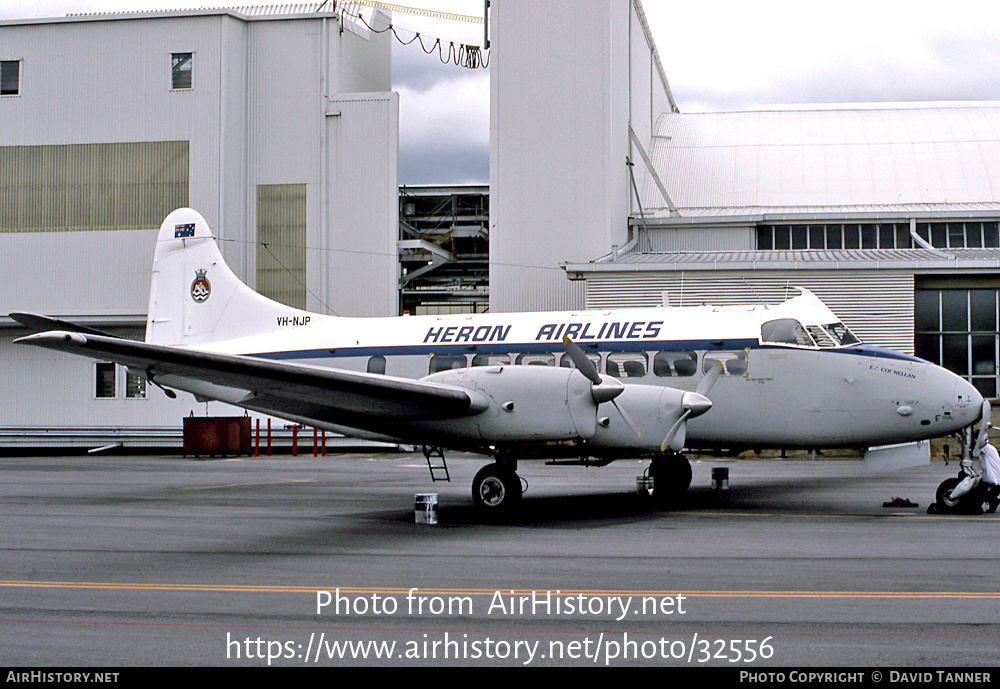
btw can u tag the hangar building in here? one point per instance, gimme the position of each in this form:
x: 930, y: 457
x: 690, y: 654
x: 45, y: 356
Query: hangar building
x: 278, y: 124
x: 889, y: 213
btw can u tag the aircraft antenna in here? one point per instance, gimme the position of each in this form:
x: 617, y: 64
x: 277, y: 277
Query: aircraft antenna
x: 296, y: 278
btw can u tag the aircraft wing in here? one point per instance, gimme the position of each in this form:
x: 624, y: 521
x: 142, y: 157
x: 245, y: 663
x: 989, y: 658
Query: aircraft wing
x: 358, y: 400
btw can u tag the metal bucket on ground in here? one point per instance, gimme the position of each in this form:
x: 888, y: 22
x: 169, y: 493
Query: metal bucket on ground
x: 720, y: 478
x: 425, y: 509
x: 644, y: 486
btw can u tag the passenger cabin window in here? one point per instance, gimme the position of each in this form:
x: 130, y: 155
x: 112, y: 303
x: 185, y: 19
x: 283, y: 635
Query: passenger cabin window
x: 377, y: 365
x: 675, y: 364
x: 539, y: 359
x: 567, y: 361
x: 787, y: 331
x: 733, y: 363
x: 627, y: 364
x: 491, y: 360
x: 447, y: 362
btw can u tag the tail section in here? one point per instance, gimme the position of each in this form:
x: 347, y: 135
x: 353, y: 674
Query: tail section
x: 194, y: 297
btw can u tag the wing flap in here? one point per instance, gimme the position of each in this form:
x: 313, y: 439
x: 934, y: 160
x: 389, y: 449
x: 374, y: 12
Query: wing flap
x: 336, y: 391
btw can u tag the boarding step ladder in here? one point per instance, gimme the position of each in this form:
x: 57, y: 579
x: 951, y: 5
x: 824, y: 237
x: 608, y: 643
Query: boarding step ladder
x: 439, y: 472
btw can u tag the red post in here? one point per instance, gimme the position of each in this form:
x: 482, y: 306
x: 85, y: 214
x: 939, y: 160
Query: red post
x: 324, y: 442
x: 295, y: 440
x: 269, y: 436
x: 256, y: 445
x: 314, y: 443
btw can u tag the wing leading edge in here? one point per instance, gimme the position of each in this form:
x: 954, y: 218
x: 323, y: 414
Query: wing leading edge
x: 358, y: 400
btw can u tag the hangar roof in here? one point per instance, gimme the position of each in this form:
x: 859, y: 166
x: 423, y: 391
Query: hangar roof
x: 941, y: 157
x: 900, y: 259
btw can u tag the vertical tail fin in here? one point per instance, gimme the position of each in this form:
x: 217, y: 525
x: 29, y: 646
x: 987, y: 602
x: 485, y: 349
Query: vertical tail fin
x: 194, y: 297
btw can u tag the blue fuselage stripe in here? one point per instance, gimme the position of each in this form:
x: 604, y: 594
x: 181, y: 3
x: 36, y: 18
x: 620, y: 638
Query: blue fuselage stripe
x: 545, y: 347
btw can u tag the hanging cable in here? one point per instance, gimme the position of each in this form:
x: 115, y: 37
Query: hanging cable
x: 468, y: 56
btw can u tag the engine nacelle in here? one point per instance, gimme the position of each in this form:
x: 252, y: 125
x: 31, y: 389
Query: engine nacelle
x: 523, y: 404
x: 652, y: 408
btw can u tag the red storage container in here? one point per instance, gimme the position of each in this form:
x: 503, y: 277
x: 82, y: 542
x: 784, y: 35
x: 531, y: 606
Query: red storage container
x: 217, y: 436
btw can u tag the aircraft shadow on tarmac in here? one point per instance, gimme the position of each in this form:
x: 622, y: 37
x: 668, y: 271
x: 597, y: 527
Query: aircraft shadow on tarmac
x: 793, y: 497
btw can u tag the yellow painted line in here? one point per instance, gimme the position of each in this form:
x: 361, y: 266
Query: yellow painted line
x: 426, y: 592
x: 259, y: 483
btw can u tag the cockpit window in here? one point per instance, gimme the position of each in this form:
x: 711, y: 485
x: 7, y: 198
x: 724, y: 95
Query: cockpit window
x: 822, y: 337
x: 841, y: 334
x: 786, y: 331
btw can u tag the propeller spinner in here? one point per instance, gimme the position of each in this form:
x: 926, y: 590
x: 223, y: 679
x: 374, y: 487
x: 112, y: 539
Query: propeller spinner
x: 694, y: 404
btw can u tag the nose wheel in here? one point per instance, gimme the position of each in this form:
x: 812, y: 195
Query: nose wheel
x: 671, y: 474
x: 976, y: 501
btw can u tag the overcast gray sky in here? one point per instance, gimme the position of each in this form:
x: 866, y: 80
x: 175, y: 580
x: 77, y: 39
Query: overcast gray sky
x: 720, y: 55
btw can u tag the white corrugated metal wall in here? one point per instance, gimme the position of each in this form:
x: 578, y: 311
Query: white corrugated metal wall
x: 256, y: 115
x: 559, y: 92
x: 360, y: 254
x: 876, y: 304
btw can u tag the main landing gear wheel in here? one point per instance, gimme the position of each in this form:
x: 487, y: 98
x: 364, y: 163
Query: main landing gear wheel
x: 970, y: 503
x: 671, y: 478
x: 496, y: 490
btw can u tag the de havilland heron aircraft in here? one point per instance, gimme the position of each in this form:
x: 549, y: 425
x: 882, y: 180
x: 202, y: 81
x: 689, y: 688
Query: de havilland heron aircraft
x: 581, y: 387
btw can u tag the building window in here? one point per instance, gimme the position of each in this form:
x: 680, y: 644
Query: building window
x: 181, y: 71
x: 957, y: 329
x: 10, y: 77
x: 834, y: 236
x: 960, y: 235
x: 135, y: 386
x: 104, y: 381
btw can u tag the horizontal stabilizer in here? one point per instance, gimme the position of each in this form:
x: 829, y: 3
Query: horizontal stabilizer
x: 42, y: 323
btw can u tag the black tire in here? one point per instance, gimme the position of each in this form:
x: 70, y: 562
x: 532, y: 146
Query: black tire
x: 671, y: 478
x: 496, y: 490
x: 970, y: 503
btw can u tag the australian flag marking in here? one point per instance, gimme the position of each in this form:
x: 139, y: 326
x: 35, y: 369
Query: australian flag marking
x: 181, y: 231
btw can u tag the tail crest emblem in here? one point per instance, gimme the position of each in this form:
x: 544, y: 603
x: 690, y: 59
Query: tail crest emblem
x: 201, y: 288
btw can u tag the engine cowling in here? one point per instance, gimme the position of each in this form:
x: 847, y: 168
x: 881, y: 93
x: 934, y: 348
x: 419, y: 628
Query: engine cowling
x: 522, y: 404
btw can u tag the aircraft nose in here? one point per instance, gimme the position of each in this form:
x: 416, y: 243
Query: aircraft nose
x: 965, y: 401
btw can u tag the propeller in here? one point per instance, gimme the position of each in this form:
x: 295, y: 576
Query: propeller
x: 603, y: 388
x: 694, y: 404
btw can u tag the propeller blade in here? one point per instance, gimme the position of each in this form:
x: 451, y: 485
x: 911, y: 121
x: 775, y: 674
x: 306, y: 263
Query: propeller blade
x: 582, y: 362
x: 627, y: 419
x: 706, y: 384
x: 673, y: 430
